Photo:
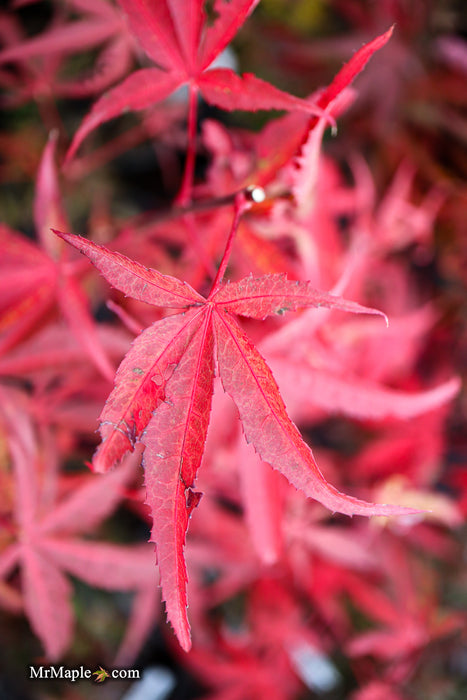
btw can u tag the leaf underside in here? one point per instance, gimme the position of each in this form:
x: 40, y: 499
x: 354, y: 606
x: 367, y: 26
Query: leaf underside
x: 247, y: 378
x: 163, y: 392
x: 174, y: 442
x: 140, y: 385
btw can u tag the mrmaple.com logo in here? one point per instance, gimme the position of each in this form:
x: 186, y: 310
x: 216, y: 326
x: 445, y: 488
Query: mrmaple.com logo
x: 75, y: 674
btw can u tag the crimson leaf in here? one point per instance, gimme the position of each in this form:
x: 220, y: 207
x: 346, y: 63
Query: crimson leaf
x: 163, y: 396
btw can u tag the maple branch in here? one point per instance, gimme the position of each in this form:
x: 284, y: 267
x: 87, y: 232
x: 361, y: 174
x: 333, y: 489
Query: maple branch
x: 241, y: 204
x: 184, y: 196
x: 147, y: 220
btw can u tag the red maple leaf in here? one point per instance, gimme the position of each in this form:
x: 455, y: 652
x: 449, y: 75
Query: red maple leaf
x: 177, y: 37
x: 39, y: 58
x: 48, y: 543
x: 164, y: 387
x: 408, y: 612
x: 37, y: 279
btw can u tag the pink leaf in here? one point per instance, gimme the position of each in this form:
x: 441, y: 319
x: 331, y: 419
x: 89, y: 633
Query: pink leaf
x: 140, y: 385
x: 170, y: 33
x: 140, y: 90
x: 61, y: 39
x: 262, y: 503
x: 48, y: 208
x: 351, y: 69
x: 74, y: 306
x: 305, y: 176
x: 274, y: 294
x: 107, y: 566
x: 113, y: 62
x: 176, y: 417
x: 174, y: 442
x: 230, y: 15
x: 47, y: 602
x: 145, y: 612
x: 26, y: 483
x: 86, y: 507
x: 227, y: 90
x: 134, y: 279
x: 187, y: 18
x: 153, y: 24
x: 306, y: 388
x: 25, y: 313
x: 247, y: 378
x: 16, y: 250
x: 340, y: 545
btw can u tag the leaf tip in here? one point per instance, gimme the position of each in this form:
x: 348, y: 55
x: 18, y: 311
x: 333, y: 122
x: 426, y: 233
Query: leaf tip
x: 384, y: 38
x: 398, y: 511
x: 185, y: 643
x: 179, y: 623
x: 99, y: 464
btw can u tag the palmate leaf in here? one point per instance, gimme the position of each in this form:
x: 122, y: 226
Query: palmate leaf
x: 177, y: 38
x: 36, y: 280
x: 78, y: 27
x: 163, y: 393
x: 49, y: 542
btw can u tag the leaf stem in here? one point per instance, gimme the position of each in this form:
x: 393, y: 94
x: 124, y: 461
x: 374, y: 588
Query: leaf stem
x: 241, y: 204
x: 185, y: 193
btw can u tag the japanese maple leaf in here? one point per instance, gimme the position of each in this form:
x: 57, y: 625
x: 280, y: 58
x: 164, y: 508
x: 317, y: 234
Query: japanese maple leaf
x: 408, y: 618
x: 101, y: 675
x: 177, y: 37
x: 282, y: 139
x: 49, y: 542
x: 36, y: 279
x: 163, y: 393
x: 239, y: 671
x: 40, y: 57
